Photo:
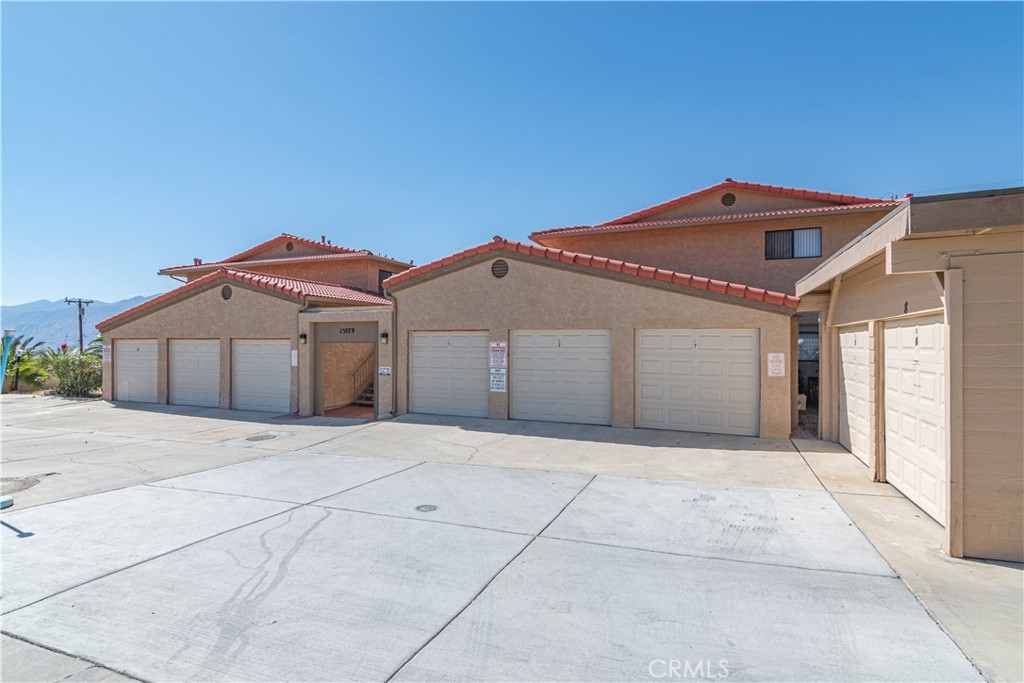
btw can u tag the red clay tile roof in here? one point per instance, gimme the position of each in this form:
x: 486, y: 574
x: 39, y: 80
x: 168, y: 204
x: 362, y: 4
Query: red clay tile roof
x: 283, y: 261
x: 285, y: 237
x: 718, y: 218
x: 730, y: 184
x: 297, y: 289
x: 601, y: 263
x: 329, y: 249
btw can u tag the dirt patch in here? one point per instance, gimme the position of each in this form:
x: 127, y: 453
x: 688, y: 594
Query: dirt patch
x: 807, y: 428
x: 11, y: 485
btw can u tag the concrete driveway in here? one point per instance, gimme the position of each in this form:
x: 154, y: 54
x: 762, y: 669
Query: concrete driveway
x: 474, y: 550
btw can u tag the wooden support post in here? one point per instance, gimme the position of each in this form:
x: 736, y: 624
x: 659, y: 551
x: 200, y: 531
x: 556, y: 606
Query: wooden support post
x: 828, y: 403
x: 876, y: 328
x: 954, y: 298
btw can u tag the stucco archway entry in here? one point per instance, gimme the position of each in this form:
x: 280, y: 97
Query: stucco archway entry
x: 345, y: 367
x: 345, y: 359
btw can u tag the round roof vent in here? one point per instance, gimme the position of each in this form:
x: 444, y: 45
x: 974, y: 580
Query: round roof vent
x: 225, y: 292
x: 728, y: 199
x: 499, y: 268
x: 289, y: 246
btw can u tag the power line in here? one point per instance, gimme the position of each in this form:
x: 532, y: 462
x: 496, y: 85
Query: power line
x: 82, y: 303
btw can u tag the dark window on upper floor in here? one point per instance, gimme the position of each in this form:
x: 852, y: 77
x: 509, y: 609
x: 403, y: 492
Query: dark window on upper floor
x: 382, y: 275
x: 802, y: 243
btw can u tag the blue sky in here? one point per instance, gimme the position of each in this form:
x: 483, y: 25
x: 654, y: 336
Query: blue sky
x: 137, y: 136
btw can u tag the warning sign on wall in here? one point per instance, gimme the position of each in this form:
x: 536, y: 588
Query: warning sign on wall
x: 499, y: 380
x: 499, y: 355
x: 776, y: 365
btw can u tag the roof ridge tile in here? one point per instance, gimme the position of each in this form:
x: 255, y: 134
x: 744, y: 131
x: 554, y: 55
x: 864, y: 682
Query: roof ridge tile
x: 715, y: 218
x: 273, y: 261
x: 599, y: 263
x: 289, y: 286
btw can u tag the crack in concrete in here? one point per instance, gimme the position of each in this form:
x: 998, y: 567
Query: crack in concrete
x: 130, y: 463
x: 475, y: 449
x: 237, y: 615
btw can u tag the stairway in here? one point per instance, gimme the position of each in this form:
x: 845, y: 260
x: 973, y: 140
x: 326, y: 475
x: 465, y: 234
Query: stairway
x: 365, y: 398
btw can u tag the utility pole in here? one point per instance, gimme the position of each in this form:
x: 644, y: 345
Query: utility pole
x: 82, y: 303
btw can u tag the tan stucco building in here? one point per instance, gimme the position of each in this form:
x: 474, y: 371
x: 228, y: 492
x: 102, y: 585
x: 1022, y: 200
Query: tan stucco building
x: 289, y: 326
x: 591, y: 340
x: 720, y: 311
x: 765, y: 236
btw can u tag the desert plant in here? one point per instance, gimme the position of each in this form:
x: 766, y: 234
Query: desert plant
x: 95, y: 347
x: 23, y: 363
x: 78, y: 374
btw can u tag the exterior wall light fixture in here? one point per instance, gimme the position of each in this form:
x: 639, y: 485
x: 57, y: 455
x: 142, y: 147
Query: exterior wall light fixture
x: 384, y: 338
x: 302, y: 338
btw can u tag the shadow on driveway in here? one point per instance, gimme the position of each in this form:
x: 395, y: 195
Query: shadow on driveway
x: 601, y: 434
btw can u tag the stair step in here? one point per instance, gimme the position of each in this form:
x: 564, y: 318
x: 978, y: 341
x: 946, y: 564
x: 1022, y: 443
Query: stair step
x: 366, y: 396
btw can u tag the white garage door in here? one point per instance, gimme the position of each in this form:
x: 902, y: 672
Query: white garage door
x: 195, y: 372
x: 261, y: 375
x: 448, y: 373
x: 561, y: 376
x: 915, y: 412
x: 698, y: 380
x: 854, y: 413
x: 135, y: 370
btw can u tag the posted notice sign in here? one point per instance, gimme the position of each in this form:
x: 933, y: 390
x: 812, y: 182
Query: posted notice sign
x: 499, y: 380
x: 499, y: 355
x: 776, y: 365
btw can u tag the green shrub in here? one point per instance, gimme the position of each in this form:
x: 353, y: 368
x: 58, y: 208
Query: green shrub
x: 25, y: 373
x: 78, y: 374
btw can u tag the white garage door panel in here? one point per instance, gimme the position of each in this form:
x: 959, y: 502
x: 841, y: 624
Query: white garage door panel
x: 195, y: 372
x: 915, y: 412
x: 854, y: 410
x: 562, y: 376
x: 449, y: 373
x: 135, y: 370
x: 698, y: 380
x: 261, y: 375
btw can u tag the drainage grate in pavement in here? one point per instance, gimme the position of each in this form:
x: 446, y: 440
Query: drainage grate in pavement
x: 257, y: 438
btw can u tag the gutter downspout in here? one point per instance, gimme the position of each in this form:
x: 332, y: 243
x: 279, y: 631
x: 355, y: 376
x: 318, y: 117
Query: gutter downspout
x: 298, y: 371
x: 394, y: 354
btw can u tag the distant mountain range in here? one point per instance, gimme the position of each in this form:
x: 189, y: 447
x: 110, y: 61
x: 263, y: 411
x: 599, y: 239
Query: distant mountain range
x: 55, y: 322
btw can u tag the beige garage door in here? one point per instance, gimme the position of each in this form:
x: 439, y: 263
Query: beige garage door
x: 915, y: 412
x: 261, y: 375
x: 854, y: 410
x: 135, y: 370
x: 195, y: 372
x: 561, y: 376
x: 698, y: 380
x: 448, y: 373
